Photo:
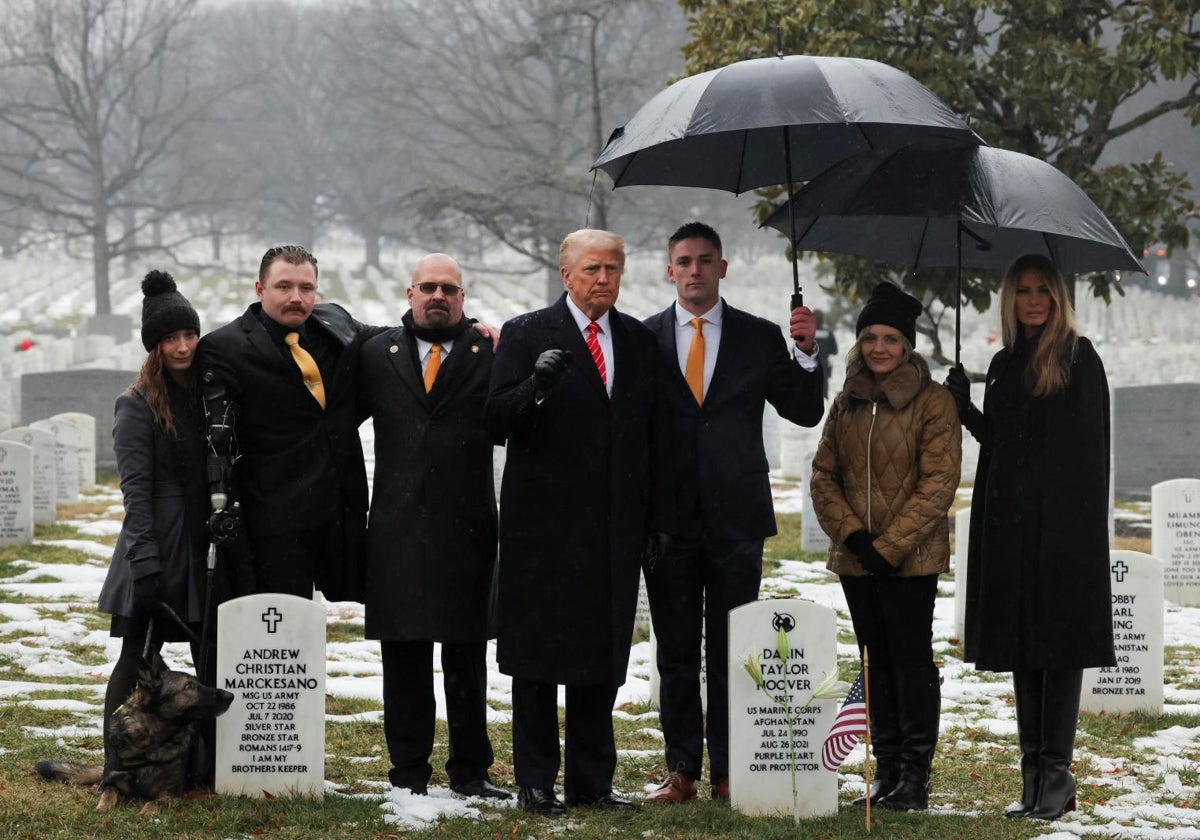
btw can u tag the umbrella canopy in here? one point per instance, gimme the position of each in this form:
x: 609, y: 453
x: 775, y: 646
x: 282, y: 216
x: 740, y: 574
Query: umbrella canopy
x: 908, y: 207
x: 770, y: 121
x: 914, y: 207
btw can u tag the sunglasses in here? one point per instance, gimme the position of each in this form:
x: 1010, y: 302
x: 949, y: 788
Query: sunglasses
x: 448, y: 289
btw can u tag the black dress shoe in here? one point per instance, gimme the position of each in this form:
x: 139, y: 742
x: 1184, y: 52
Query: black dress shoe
x: 481, y: 788
x: 540, y: 801
x: 603, y: 801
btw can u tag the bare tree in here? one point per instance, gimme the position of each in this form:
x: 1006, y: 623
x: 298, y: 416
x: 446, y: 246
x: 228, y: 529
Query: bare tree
x: 502, y: 105
x: 98, y: 96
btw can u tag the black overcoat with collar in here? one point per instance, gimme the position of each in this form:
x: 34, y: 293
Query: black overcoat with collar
x: 573, y: 503
x: 431, y: 536
x: 1038, y: 582
x: 298, y: 462
x: 710, y: 465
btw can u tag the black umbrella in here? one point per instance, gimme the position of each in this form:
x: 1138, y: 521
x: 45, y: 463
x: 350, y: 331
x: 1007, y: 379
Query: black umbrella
x: 914, y: 207
x: 778, y: 120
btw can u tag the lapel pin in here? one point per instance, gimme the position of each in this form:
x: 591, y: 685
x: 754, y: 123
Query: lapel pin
x: 393, y: 349
x: 474, y: 348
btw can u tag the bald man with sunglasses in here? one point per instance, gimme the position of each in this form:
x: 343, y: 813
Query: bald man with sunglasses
x: 431, y: 538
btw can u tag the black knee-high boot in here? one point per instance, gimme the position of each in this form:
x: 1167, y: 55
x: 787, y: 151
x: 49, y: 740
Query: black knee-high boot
x: 1060, y: 717
x: 1027, y: 687
x: 920, y: 694
x: 885, y: 735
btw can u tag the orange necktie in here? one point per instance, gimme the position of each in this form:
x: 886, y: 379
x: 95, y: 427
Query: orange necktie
x: 308, y: 367
x: 694, y: 372
x: 432, y: 366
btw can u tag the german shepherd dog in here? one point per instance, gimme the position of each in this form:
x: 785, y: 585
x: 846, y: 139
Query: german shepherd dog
x: 150, y: 736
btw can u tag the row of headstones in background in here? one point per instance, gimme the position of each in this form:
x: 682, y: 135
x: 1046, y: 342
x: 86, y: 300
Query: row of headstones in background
x: 43, y: 465
x: 90, y: 392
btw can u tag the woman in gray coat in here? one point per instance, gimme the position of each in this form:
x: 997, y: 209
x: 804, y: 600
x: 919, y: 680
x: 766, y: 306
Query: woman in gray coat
x: 158, y: 437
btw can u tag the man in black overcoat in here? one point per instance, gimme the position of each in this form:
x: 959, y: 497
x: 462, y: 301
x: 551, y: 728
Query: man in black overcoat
x: 300, y: 477
x: 431, y: 538
x: 712, y: 496
x: 571, y: 393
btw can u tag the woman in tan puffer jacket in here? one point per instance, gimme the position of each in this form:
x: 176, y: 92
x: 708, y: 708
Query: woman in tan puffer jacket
x: 884, y: 477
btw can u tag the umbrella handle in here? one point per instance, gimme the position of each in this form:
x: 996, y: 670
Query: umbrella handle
x: 797, y: 300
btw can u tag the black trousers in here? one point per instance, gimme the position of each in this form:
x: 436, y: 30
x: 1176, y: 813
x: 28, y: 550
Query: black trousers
x: 698, y: 580
x: 590, y: 752
x: 410, y: 710
x: 893, y: 618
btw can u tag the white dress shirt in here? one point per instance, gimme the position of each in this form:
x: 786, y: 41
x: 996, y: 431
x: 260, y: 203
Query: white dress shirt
x: 423, y: 348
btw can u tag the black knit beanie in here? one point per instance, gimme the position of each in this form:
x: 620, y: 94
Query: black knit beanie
x: 164, y: 309
x: 891, y: 307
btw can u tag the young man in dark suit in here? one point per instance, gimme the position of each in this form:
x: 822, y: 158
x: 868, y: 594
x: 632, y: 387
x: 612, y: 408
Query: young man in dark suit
x: 711, y: 495
x: 431, y: 539
x: 571, y: 394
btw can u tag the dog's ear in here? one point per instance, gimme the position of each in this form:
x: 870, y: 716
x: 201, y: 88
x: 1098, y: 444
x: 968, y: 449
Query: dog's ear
x: 150, y: 671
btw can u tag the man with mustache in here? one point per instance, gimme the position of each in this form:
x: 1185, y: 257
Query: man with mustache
x: 299, y: 476
x: 431, y: 540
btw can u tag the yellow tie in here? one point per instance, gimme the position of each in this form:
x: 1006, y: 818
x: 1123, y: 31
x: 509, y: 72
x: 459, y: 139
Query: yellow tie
x: 431, y: 369
x: 308, y: 367
x: 694, y: 374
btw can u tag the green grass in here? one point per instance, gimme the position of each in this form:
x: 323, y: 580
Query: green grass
x: 974, y: 772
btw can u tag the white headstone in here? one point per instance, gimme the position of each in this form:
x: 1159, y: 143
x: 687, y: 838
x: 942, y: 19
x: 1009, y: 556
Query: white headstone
x: 641, y: 618
x: 271, y: 656
x: 793, y: 443
x: 962, y: 538
x: 42, y: 444
x: 86, y: 424
x: 66, y: 459
x: 16, y: 493
x: 761, y: 760
x: 1136, y: 683
x: 1175, y: 537
x: 812, y: 538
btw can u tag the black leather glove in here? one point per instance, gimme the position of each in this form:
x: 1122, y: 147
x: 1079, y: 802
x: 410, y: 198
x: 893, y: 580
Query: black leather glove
x: 657, y: 546
x: 145, y: 595
x: 548, y: 368
x: 959, y: 387
x: 859, y: 542
x: 873, y: 563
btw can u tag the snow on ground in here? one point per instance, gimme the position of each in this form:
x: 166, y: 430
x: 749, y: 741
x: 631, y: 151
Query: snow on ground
x: 1146, y: 792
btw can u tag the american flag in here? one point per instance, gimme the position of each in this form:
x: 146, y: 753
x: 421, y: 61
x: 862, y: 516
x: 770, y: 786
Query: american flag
x: 848, y: 727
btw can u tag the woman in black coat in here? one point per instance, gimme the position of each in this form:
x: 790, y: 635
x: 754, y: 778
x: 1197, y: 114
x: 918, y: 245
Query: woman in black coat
x: 158, y: 437
x: 1038, y: 586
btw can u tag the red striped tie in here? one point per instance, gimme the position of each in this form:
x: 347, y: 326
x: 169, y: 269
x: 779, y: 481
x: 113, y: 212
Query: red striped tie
x: 597, y: 354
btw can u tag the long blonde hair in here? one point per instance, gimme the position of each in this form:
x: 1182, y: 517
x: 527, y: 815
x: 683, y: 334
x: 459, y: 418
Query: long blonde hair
x: 1051, y: 362
x: 151, y: 383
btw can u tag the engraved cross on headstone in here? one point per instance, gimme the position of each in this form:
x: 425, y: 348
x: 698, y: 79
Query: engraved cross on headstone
x: 271, y: 618
x: 1119, y: 569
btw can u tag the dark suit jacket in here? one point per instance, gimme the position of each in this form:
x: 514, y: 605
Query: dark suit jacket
x: 710, y: 474
x: 431, y: 540
x: 299, y: 464
x: 573, y: 503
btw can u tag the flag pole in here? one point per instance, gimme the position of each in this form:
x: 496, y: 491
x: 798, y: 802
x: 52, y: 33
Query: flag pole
x: 867, y: 733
